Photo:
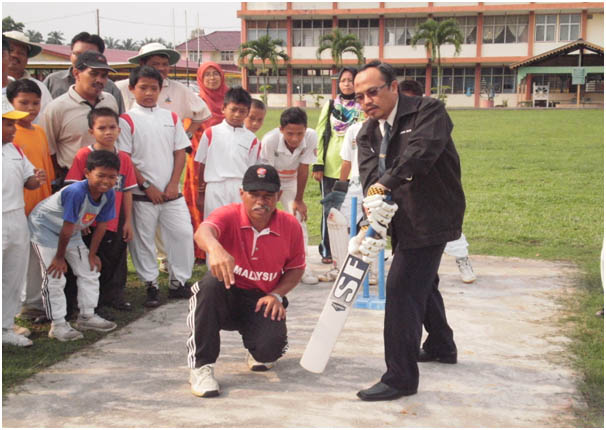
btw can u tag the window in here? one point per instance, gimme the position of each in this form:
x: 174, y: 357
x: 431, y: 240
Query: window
x: 367, y: 30
x: 505, y: 29
x: 309, y: 32
x: 469, y: 27
x: 594, y: 83
x: 275, y: 30
x: 502, y: 79
x: 227, y: 56
x: 570, y: 27
x: 411, y: 73
x: 455, y: 80
x: 307, y: 81
x: 277, y: 83
x: 399, y: 31
x: 193, y: 56
x: 545, y: 28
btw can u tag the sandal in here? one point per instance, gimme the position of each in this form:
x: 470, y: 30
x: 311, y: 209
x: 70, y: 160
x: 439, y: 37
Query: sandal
x: 326, y: 260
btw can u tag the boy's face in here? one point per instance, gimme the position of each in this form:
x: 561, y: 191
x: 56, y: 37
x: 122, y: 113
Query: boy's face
x: 8, y: 130
x: 27, y: 102
x: 105, y: 130
x: 101, y: 179
x: 146, y: 91
x: 254, y: 120
x: 293, y: 134
x: 235, y: 114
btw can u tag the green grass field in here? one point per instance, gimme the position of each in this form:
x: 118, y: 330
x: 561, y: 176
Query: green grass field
x: 534, y: 187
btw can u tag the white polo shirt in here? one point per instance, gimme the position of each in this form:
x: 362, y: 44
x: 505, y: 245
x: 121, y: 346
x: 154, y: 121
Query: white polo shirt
x: 275, y: 152
x: 151, y: 136
x: 16, y: 169
x: 349, y: 151
x: 227, y: 152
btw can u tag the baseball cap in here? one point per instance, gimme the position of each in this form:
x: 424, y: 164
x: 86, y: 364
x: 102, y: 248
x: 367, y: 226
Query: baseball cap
x: 17, y: 36
x: 261, y: 177
x: 92, y: 59
x: 9, y: 112
x: 156, y: 48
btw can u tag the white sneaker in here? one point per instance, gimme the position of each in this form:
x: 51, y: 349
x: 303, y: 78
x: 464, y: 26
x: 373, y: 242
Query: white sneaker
x: 9, y: 337
x: 467, y: 275
x: 203, y: 382
x: 64, y: 332
x: 373, y: 279
x: 309, y: 278
x: 94, y: 322
x: 23, y: 331
x: 329, y: 276
x: 257, y: 366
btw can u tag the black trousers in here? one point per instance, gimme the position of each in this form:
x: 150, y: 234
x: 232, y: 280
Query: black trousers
x: 213, y: 308
x: 324, y: 246
x: 412, y: 298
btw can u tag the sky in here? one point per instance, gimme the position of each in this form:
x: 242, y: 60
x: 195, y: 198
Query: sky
x: 122, y: 20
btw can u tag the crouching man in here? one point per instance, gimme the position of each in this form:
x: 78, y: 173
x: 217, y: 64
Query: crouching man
x: 255, y: 256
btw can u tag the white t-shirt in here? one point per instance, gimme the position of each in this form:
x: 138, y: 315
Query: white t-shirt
x: 349, y: 151
x: 151, y: 136
x: 275, y: 152
x: 227, y: 152
x: 16, y: 169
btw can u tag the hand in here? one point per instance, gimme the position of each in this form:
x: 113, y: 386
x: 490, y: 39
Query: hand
x: 94, y: 261
x: 57, y: 267
x: 318, y: 175
x: 299, y: 207
x: 366, y: 247
x: 154, y: 195
x: 334, y: 199
x: 40, y: 176
x: 127, y: 231
x: 273, y: 307
x: 379, y: 212
x: 221, y: 265
x: 200, y: 203
x: 171, y: 192
x: 85, y: 231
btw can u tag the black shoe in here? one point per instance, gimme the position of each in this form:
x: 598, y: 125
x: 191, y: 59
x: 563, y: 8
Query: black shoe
x: 450, y: 358
x: 182, y: 291
x: 122, y: 305
x: 381, y: 391
x: 152, y: 297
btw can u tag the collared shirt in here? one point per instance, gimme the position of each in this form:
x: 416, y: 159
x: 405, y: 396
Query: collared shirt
x: 275, y: 152
x: 175, y: 97
x: 390, y: 119
x: 349, y: 151
x: 65, y: 122
x: 260, y: 257
x: 59, y: 82
x: 227, y: 152
x: 151, y: 136
x: 16, y: 169
x: 44, y: 100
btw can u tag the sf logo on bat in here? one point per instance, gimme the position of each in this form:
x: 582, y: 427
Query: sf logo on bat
x: 349, y: 281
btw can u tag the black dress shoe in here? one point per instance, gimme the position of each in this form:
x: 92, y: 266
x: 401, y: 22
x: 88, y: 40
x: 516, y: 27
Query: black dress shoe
x: 424, y: 356
x: 381, y: 391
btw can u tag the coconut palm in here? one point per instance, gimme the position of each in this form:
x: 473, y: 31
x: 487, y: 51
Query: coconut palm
x: 34, y: 36
x: 111, y: 43
x: 340, y: 43
x: 55, y: 38
x: 129, y: 44
x: 265, y: 49
x: 434, y: 34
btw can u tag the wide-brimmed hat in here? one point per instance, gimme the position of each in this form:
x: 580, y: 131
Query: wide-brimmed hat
x: 9, y: 112
x: 17, y: 36
x: 155, y: 49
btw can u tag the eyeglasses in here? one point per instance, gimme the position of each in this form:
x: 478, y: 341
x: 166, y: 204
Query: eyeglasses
x: 371, y: 92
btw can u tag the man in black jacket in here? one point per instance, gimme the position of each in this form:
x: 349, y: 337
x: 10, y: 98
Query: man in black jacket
x: 405, y: 149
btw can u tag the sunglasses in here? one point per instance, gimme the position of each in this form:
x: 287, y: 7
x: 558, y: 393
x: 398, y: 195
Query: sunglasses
x: 371, y: 93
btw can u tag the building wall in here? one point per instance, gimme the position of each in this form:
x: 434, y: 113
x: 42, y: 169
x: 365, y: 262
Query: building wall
x: 595, y: 29
x: 505, y: 50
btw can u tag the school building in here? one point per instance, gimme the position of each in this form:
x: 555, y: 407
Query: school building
x: 546, y: 43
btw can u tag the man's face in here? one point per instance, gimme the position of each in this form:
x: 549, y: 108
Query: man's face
x: 8, y: 130
x: 259, y: 205
x: 235, y: 114
x: 293, y: 135
x: 105, y: 130
x: 5, y: 60
x: 79, y: 48
x: 374, y: 95
x: 17, y: 59
x: 158, y: 62
x: 146, y: 92
x: 27, y: 102
x: 90, y: 82
x: 255, y: 118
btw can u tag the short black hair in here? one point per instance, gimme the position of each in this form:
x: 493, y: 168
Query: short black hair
x: 293, y: 115
x: 101, y: 112
x: 93, y: 39
x: 144, y: 72
x: 143, y: 60
x: 257, y: 104
x: 101, y: 158
x: 22, y: 86
x: 237, y: 95
x: 387, y: 72
x: 412, y: 86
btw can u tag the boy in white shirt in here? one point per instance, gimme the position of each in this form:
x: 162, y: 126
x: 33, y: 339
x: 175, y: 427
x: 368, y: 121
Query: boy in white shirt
x: 155, y: 139
x: 291, y: 148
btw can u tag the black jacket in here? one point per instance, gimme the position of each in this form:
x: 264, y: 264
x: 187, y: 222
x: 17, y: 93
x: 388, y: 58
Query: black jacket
x: 431, y: 206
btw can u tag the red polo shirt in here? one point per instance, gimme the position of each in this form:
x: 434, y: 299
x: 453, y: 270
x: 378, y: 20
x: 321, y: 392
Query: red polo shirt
x: 261, y: 257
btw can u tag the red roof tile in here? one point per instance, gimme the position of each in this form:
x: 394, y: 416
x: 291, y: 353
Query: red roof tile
x: 215, y: 41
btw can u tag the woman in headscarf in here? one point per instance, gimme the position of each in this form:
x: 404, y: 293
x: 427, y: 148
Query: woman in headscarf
x: 211, y: 82
x: 336, y: 117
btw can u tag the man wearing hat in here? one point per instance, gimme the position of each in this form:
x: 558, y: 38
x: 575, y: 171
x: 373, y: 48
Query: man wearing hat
x: 255, y: 256
x: 174, y: 96
x: 20, y: 50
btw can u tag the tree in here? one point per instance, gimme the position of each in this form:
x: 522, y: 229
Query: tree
x: 339, y: 43
x: 195, y: 32
x: 55, y: 38
x: 265, y: 49
x: 435, y: 34
x: 9, y: 24
x: 129, y: 44
x: 34, y: 36
x: 111, y: 43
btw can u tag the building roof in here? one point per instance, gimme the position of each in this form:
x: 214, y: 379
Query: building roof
x: 215, y: 41
x: 562, y: 50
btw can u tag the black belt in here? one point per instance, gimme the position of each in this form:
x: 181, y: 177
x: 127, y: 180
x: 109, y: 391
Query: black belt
x: 144, y: 198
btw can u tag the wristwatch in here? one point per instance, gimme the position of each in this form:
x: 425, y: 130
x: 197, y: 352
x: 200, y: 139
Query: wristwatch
x: 189, y: 134
x: 277, y: 296
x: 145, y: 185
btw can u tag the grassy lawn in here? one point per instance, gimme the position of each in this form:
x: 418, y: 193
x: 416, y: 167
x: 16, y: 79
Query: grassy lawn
x: 534, y: 187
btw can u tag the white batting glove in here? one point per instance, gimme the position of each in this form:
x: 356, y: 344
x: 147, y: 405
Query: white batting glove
x: 370, y: 248
x: 380, y: 212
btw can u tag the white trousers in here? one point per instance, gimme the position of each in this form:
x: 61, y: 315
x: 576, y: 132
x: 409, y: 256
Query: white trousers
x: 457, y: 248
x: 31, y: 295
x: 15, y: 255
x: 220, y: 194
x: 87, y: 280
x: 289, y: 192
x: 177, y: 234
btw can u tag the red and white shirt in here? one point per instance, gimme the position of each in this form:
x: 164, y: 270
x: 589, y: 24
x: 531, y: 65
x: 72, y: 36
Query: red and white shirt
x: 261, y: 257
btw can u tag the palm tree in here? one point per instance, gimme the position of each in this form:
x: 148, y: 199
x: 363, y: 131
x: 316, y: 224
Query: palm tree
x: 435, y: 34
x: 265, y: 49
x: 34, y: 36
x: 129, y: 44
x: 55, y: 38
x: 340, y: 43
x: 111, y: 43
